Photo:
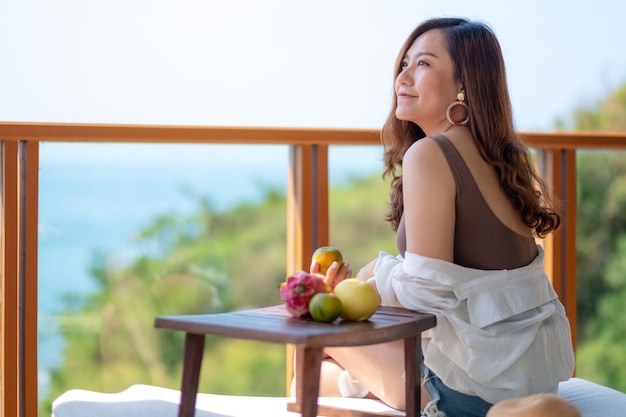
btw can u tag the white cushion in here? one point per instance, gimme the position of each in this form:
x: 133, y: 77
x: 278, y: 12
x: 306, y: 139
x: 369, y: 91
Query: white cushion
x: 150, y: 401
x: 592, y: 399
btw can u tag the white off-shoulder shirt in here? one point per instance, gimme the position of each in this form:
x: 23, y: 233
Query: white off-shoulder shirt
x: 500, y: 334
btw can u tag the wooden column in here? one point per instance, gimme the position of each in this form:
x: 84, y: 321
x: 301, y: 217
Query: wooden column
x: 307, y: 213
x: 10, y: 284
x: 18, y: 315
x: 558, y: 168
x: 29, y: 259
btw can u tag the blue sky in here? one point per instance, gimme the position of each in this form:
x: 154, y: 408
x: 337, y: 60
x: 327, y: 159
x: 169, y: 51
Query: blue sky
x: 282, y: 62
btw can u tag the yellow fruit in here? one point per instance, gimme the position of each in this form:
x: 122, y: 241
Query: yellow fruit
x: 325, y: 307
x: 325, y: 256
x: 359, y: 299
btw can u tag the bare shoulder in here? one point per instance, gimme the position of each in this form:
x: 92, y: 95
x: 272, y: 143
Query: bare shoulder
x: 427, y: 177
x: 425, y: 157
x: 422, y: 147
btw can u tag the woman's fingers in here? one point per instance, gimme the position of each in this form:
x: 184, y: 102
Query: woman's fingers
x: 336, y: 273
x: 315, y: 267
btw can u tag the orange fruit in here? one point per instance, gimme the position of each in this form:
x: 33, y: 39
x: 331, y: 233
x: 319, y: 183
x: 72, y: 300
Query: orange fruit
x: 325, y: 256
x: 325, y: 307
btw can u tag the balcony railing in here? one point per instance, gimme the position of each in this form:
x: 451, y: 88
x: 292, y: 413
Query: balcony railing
x: 307, y: 214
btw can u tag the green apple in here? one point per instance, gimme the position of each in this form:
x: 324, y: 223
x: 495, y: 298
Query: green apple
x: 359, y: 300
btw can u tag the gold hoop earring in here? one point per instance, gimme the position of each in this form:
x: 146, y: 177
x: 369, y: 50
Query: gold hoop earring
x: 460, y: 102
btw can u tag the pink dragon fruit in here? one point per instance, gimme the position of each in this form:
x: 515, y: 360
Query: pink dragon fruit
x: 298, y: 290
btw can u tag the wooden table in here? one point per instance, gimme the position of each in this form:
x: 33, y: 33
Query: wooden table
x: 274, y: 324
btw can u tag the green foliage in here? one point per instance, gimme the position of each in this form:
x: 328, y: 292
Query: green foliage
x: 601, y: 249
x: 357, y: 221
x: 609, y: 115
x: 206, y: 262
x: 601, y: 357
x: 601, y: 221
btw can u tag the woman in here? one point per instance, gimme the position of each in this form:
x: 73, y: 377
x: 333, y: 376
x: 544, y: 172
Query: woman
x: 466, y: 205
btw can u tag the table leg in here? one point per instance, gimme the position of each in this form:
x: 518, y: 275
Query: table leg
x: 308, y: 364
x: 192, y: 362
x: 412, y: 361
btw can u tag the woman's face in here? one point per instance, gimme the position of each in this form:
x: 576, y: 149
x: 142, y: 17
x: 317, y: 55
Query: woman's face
x: 426, y: 84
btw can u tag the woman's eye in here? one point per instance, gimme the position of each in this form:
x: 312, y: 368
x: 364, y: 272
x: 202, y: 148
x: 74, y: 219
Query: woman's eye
x: 422, y: 63
x: 403, y: 65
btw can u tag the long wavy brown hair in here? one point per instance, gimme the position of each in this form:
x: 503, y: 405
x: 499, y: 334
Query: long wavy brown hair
x: 477, y: 57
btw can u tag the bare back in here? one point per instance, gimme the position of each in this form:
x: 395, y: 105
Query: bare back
x: 488, y: 232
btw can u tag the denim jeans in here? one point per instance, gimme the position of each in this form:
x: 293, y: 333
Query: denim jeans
x: 450, y: 402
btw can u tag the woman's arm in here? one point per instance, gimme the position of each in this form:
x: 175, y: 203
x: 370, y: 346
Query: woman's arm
x: 429, y: 201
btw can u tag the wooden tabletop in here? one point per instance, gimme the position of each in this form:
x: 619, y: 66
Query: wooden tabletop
x: 275, y: 324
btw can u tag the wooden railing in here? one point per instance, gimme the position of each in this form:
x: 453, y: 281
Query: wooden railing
x: 307, y: 214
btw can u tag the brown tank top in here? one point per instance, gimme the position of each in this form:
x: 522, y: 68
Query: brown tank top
x: 481, y: 240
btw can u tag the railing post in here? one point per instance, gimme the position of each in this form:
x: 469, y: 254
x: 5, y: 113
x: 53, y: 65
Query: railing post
x: 307, y: 204
x: 307, y: 212
x: 10, y: 284
x: 558, y: 169
x: 29, y: 258
x: 18, y: 310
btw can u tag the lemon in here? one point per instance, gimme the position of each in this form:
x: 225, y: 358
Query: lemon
x: 359, y: 300
x: 325, y: 256
x: 324, y: 307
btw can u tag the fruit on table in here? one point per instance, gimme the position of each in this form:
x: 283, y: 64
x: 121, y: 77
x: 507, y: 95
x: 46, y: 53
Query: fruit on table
x: 359, y: 300
x: 298, y: 290
x: 325, y: 256
x: 325, y: 307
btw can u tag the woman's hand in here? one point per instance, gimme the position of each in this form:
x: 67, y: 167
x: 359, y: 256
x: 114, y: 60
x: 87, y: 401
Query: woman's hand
x: 367, y: 271
x: 335, y: 274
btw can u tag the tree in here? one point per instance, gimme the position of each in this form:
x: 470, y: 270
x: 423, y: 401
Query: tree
x: 607, y: 117
x: 601, y: 212
x: 183, y: 265
x: 601, y: 248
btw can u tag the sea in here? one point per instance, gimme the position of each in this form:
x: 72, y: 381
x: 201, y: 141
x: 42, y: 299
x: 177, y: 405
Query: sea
x: 98, y: 196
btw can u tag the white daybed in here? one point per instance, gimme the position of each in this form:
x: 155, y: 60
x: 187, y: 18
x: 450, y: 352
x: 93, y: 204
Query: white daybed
x: 591, y: 399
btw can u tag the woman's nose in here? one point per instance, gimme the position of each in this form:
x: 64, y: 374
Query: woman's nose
x: 400, y: 82
x: 404, y: 78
